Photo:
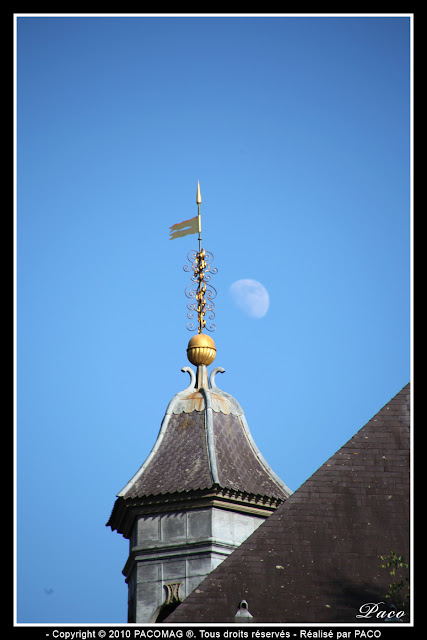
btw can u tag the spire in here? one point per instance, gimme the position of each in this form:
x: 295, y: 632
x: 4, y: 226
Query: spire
x: 199, y: 219
x: 201, y: 290
x: 204, y: 431
x: 201, y: 350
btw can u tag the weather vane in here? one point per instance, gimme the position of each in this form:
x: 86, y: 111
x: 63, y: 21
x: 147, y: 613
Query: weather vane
x: 200, y: 292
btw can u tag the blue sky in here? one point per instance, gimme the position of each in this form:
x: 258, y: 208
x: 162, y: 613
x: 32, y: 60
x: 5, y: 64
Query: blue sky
x: 298, y: 129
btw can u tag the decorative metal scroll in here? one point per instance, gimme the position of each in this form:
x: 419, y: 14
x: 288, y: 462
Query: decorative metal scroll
x: 173, y: 595
x: 200, y: 292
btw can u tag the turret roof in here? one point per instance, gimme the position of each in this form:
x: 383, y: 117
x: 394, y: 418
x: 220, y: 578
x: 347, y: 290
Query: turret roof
x: 204, y: 442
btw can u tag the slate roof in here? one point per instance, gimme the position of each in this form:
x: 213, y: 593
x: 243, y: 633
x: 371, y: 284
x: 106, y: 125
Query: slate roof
x: 204, y: 442
x: 316, y: 558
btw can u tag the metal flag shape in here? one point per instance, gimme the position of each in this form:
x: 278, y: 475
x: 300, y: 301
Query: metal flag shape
x: 186, y: 228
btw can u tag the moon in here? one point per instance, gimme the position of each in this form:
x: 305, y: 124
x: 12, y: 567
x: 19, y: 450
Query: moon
x: 251, y: 297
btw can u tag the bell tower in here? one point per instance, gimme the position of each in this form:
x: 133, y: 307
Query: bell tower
x: 204, y: 487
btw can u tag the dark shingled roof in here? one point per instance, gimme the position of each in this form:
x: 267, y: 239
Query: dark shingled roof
x: 204, y: 442
x: 316, y: 559
x: 182, y: 460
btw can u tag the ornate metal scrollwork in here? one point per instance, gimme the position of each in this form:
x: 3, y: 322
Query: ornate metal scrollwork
x: 201, y: 293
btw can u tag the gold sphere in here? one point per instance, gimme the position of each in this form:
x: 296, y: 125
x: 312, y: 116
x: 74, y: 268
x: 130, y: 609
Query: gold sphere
x: 201, y: 350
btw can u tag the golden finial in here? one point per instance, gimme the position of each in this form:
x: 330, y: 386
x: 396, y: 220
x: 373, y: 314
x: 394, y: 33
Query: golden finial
x: 201, y: 291
x: 201, y: 350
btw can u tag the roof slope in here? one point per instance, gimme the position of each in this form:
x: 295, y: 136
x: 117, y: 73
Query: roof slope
x: 184, y: 461
x: 316, y: 558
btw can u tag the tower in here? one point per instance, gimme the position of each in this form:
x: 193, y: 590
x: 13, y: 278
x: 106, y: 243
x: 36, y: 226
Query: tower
x: 205, y: 486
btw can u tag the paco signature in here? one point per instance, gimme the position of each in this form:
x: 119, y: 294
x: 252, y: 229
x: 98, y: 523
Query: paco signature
x: 372, y: 609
